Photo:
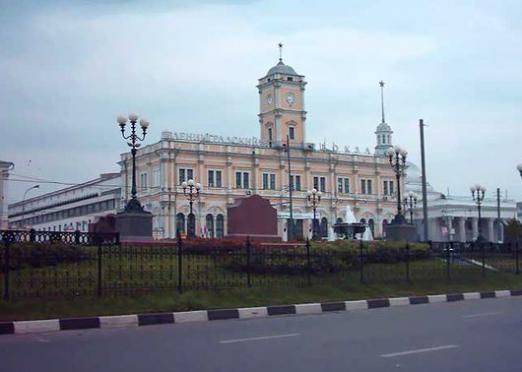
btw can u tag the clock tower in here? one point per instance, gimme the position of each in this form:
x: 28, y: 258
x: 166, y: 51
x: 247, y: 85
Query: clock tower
x: 281, y: 105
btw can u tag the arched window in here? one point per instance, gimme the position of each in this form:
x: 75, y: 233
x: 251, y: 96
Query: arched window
x: 180, y: 223
x: 339, y: 220
x: 363, y: 221
x: 210, y: 226
x: 324, y: 227
x: 220, y: 226
x: 371, y: 223
x: 191, y: 225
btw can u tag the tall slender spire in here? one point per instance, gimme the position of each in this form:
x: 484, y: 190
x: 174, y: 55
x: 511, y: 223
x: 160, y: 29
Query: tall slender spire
x: 280, y: 52
x: 381, y: 84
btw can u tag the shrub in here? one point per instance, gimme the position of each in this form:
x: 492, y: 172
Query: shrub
x: 32, y: 254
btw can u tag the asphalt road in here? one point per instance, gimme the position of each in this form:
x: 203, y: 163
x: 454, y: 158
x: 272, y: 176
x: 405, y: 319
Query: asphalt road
x: 480, y: 335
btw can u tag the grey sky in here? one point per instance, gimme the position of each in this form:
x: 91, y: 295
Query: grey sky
x: 67, y: 68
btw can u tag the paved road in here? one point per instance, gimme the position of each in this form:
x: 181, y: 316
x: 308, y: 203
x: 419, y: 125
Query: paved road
x: 481, y: 335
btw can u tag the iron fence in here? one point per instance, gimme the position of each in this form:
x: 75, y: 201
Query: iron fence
x: 49, y: 264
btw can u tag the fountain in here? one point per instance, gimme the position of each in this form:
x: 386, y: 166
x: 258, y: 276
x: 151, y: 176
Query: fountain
x: 350, y: 228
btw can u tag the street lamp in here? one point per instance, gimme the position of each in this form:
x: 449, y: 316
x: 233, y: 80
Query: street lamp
x: 314, y: 197
x: 519, y: 167
x: 477, y: 192
x: 133, y: 205
x: 191, y: 190
x: 397, y: 158
x: 410, y: 202
x: 23, y: 201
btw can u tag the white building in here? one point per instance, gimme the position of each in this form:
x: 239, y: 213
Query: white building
x: 5, y: 167
x: 69, y: 209
x: 456, y: 217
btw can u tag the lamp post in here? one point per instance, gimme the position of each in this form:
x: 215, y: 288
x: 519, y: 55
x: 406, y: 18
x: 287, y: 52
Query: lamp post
x: 314, y: 197
x: 410, y: 202
x: 23, y: 201
x: 191, y: 190
x: 397, y: 158
x: 133, y: 205
x: 478, y: 192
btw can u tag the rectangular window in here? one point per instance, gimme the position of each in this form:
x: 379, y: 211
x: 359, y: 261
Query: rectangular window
x: 291, y: 132
x: 143, y: 182
x: 242, y: 180
x: 218, y: 179
x: 211, y: 178
x: 388, y: 188
x: 295, y: 181
x: 343, y: 185
x: 320, y: 183
x: 269, y: 180
x: 366, y: 186
x: 185, y: 174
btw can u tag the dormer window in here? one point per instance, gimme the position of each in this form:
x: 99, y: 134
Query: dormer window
x: 290, y: 78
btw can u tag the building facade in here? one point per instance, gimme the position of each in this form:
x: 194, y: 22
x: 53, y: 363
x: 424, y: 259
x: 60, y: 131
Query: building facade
x: 455, y: 218
x: 71, y: 208
x: 279, y: 162
x: 5, y: 168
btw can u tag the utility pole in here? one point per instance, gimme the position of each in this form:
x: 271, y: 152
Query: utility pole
x: 424, y: 189
x: 499, y: 226
x: 290, y: 188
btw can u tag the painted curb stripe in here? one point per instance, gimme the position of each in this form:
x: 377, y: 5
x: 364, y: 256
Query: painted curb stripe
x: 516, y: 292
x: 451, y: 297
x: 417, y: 300
x: 333, y: 306
x: 223, y: 314
x: 378, y: 302
x: 79, y: 323
x: 150, y: 319
x: 281, y: 310
x: 7, y: 328
x: 487, y: 295
x: 36, y: 326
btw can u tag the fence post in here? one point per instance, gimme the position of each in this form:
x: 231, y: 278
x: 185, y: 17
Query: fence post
x: 308, y: 263
x: 5, y: 238
x: 361, y: 269
x: 179, y: 244
x: 99, y: 291
x: 32, y: 235
x: 517, y: 271
x: 248, y: 246
x: 408, y: 262
x: 483, y: 251
x: 77, y: 237
x: 448, y: 260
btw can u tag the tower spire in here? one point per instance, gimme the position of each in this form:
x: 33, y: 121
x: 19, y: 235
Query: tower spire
x: 381, y: 84
x: 280, y: 52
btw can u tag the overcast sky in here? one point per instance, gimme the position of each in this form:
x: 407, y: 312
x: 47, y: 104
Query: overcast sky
x: 68, y: 68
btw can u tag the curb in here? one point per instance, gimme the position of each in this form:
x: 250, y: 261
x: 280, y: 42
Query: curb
x: 138, y: 320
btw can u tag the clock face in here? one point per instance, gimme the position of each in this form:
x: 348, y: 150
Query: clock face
x: 290, y: 98
x: 269, y: 99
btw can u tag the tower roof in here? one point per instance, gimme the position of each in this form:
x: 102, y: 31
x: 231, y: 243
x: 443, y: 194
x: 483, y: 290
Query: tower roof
x: 383, y: 127
x: 281, y: 68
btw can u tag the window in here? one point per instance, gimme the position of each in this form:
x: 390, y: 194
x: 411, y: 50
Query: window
x: 270, y: 136
x: 388, y: 187
x: 290, y: 78
x: 324, y: 227
x: 214, y: 178
x: 155, y: 182
x: 180, y: 223
x: 291, y: 132
x: 295, y: 181
x: 242, y: 180
x: 320, y: 183
x: 185, y: 174
x: 220, y: 226
x: 269, y: 181
x: 143, y: 181
x: 366, y: 186
x: 210, y: 226
x: 343, y: 185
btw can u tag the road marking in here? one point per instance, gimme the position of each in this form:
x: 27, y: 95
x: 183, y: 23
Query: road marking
x: 480, y: 315
x: 417, y: 351
x: 258, y: 338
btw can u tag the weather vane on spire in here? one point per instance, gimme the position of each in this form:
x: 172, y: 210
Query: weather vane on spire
x: 381, y: 84
x: 280, y: 52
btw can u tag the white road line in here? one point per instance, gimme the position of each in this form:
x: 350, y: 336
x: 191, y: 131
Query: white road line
x: 417, y: 351
x: 481, y: 314
x: 258, y: 338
